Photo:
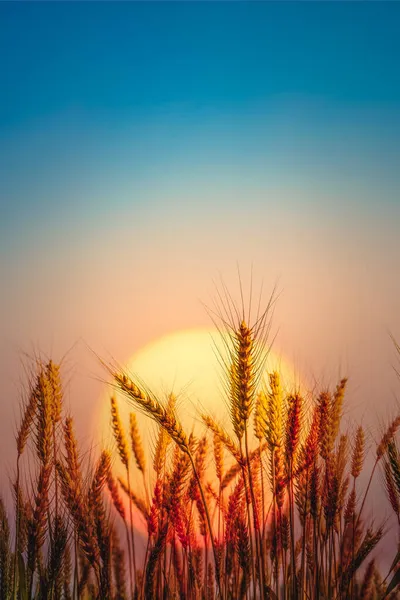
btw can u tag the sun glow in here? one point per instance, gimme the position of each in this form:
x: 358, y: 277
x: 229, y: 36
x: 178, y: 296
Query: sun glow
x: 188, y: 364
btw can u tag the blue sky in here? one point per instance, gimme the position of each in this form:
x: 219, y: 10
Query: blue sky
x: 100, y: 67
x: 100, y: 100
x: 117, y: 59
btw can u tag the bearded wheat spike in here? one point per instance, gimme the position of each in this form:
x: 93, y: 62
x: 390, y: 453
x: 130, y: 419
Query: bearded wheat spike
x: 236, y: 417
x: 324, y: 403
x: 37, y: 524
x: 154, y: 409
x: 230, y: 475
x: 391, y: 488
x: 344, y: 486
x: 119, y: 434
x: 336, y: 410
x: 314, y: 491
x: 154, y: 557
x: 244, y: 372
x: 235, y: 503
x: 136, y: 442
x: 243, y: 552
x: 224, y: 437
x: 173, y: 503
x: 342, y: 456
x: 358, y: 453
x: 23, y: 516
x: 218, y: 456
x: 293, y: 425
x: 273, y: 411
x: 100, y: 477
x: 155, y: 509
x: 301, y: 495
x: 201, y: 454
x: 311, y: 446
x: 163, y: 441
x: 394, y: 463
x: 389, y: 434
x: 350, y: 507
x: 67, y: 573
x: 160, y: 451
x: 116, y: 498
x: 210, y: 582
x: 54, y: 380
x: 82, y: 520
x: 277, y: 460
x: 44, y: 428
x: 26, y: 423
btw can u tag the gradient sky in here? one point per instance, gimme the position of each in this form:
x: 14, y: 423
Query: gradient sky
x: 146, y: 147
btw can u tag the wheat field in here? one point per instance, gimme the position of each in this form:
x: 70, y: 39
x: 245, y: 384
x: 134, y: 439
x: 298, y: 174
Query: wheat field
x: 267, y: 505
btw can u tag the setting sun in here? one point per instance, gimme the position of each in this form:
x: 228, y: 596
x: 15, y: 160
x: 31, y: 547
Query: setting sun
x: 188, y: 364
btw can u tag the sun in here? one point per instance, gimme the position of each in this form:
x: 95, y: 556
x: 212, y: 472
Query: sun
x: 188, y: 364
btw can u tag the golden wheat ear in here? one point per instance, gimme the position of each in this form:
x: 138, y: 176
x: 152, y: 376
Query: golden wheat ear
x: 225, y: 439
x: 394, y: 460
x: 136, y: 443
x: 153, y: 408
x: 387, y: 437
x: 119, y: 433
x: 26, y: 422
x: 357, y: 460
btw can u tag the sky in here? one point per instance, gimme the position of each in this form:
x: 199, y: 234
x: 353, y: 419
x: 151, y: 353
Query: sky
x: 146, y: 149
